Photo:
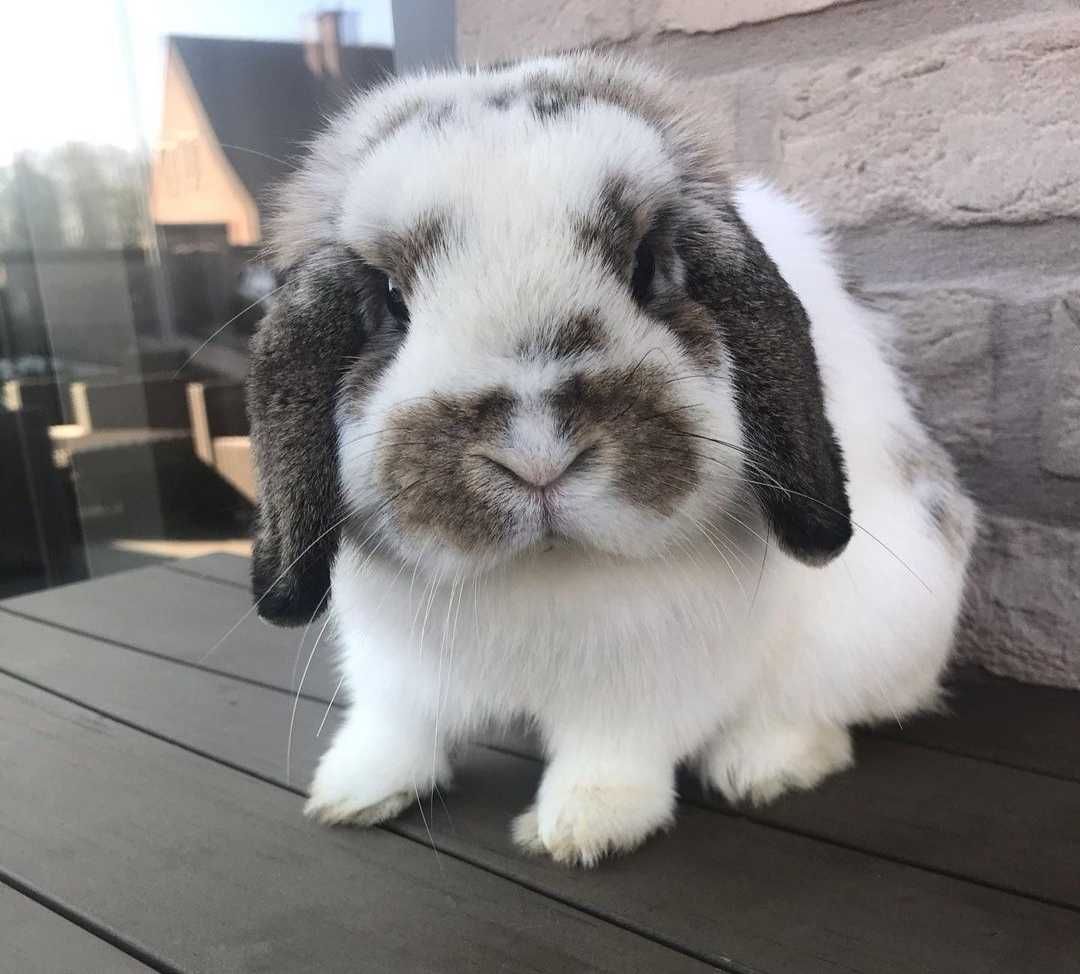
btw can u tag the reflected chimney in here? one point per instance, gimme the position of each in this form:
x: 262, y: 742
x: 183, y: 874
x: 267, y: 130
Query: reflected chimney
x: 323, y: 54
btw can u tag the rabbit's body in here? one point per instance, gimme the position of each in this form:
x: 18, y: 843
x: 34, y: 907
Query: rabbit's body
x: 619, y: 513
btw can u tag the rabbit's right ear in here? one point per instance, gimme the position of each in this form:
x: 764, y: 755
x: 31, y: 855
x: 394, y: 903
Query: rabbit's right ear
x: 299, y: 354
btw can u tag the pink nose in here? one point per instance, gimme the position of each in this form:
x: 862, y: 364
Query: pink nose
x: 531, y: 470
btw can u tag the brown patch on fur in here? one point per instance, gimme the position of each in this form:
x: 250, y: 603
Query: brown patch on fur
x: 580, y: 334
x: 923, y: 461
x: 438, y: 115
x: 613, y: 226
x: 551, y: 101
x: 695, y: 328
x: 432, y: 114
x: 926, y: 468
x: 625, y: 420
x: 560, y: 94
x: 502, y: 100
x: 632, y: 415
x: 551, y: 96
x: 433, y: 464
x: 404, y: 255
x: 395, y: 120
x: 946, y: 511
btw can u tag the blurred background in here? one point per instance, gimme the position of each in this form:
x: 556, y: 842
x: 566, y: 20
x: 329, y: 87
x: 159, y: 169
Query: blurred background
x: 140, y: 144
x: 938, y: 139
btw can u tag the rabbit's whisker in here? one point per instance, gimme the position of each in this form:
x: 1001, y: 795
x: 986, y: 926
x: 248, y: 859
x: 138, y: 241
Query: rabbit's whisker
x: 218, y: 331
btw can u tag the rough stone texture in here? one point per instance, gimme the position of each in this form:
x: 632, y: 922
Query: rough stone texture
x: 864, y: 29
x: 716, y: 108
x: 1023, y: 623
x: 492, y: 29
x: 1061, y: 412
x: 945, y: 342
x: 969, y: 128
x: 1031, y: 258
x: 708, y: 15
x: 940, y: 139
x: 1013, y: 482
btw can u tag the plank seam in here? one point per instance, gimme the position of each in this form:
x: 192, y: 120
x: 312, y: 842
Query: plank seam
x: 997, y: 762
x: 83, y: 922
x: 164, y: 657
x: 178, y: 567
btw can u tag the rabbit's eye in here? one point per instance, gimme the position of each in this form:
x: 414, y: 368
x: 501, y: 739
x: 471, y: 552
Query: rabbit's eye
x: 641, y: 280
x: 395, y: 302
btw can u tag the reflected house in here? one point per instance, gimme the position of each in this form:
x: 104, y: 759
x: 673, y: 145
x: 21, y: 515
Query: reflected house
x: 123, y: 450
x: 237, y: 114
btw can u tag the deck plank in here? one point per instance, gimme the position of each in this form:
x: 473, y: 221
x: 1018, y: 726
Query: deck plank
x: 236, y: 722
x: 184, y: 617
x: 215, y: 870
x: 773, y: 900
x: 38, y: 941
x: 1000, y: 720
x: 1016, y: 830
x: 220, y: 566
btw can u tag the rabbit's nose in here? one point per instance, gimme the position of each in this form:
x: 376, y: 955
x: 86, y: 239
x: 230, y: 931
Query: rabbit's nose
x: 534, y: 470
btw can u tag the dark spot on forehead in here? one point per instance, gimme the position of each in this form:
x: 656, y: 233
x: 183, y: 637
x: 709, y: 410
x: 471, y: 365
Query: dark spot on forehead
x: 502, y: 100
x: 551, y: 95
x: 433, y: 114
x: 612, y: 226
x: 589, y: 84
x: 438, y: 115
x: 393, y: 121
x: 548, y: 104
x: 577, y: 335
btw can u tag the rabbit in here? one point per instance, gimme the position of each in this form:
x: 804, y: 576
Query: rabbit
x: 563, y: 421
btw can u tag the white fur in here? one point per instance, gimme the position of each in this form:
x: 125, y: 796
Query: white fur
x: 630, y: 652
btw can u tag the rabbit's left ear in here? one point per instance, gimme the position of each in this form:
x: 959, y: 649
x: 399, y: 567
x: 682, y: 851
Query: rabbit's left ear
x: 298, y: 357
x: 795, y: 465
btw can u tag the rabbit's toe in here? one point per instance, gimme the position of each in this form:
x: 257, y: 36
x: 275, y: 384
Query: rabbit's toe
x: 758, y: 765
x: 581, y: 824
x: 343, y: 810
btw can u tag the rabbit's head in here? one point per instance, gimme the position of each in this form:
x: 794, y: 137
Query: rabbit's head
x: 521, y: 312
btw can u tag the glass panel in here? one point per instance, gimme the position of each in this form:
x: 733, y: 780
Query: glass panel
x: 134, y: 190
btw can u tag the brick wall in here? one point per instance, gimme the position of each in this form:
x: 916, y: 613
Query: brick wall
x: 941, y: 140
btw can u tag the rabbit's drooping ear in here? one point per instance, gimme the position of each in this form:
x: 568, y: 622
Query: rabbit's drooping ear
x: 298, y: 357
x: 795, y: 463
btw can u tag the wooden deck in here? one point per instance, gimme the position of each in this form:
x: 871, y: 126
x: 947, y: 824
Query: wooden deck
x: 146, y: 823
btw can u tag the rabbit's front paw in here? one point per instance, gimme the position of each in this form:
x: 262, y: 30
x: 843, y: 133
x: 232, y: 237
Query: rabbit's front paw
x: 364, y: 779
x: 757, y: 765
x: 328, y: 808
x: 579, y: 824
